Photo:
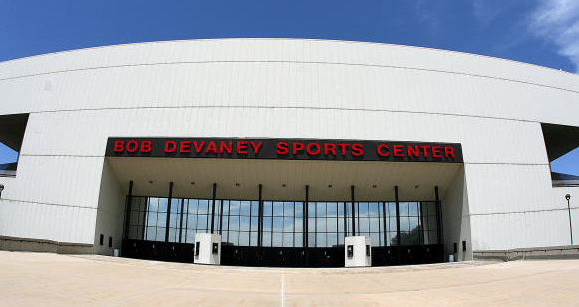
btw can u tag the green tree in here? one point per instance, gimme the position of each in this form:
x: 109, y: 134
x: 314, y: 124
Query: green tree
x: 408, y: 238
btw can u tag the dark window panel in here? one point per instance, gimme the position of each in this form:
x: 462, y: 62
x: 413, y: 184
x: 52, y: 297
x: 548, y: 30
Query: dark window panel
x: 267, y: 205
x: 363, y: 207
x: 320, y: 209
x: 254, y: 221
x: 266, y: 239
x: 203, y: 206
x: 267, y: 224
x: 278, y: 224
x: 298, y: 240
x: 277, y: 239
x: 234, y: 223
x: 253, y: 237
x: 234, y: 207
x: 245, y: 208
x: 332, y: 209
x: 311, y: 239
x: 332, y: 239
x: 332, y: 224
x: 175, y: 205
x: 244, y: 223
x: 288, y: 208
x: 288, y: 223
x: 364, y: 224
x: 299, y: 225
x: 243, y: 238
x: 299, y: 209
x: 163, y: 203
x: 254, y: 208
x: 311, y: 209
x: 321, y: 239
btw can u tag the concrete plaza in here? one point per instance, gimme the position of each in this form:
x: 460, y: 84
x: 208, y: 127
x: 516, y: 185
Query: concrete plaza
x: 45, y: 279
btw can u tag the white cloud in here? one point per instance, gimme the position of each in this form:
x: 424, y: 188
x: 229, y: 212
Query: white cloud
x: 557, y: 21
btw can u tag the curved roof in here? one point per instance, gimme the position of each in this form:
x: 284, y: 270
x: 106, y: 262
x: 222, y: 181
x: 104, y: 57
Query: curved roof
x: 402, y: 70
x: 308, y: 52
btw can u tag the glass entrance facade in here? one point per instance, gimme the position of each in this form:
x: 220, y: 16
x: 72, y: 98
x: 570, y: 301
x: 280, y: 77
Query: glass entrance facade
x: 285, y: 224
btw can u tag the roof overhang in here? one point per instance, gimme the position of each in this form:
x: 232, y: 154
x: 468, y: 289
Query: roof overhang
x: 283, y: 179
x: 12, y: 129
x: 559, y: 139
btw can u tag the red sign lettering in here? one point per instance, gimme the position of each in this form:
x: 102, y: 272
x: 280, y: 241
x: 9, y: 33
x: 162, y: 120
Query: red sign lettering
x: 398, y: 151
x: 146, y: 146
x: 242, y: 147
x: 383, y: 150
x: 329, y: 147
x: 313, y: 152
x: 357, y: 150
x: 413, y: 151
x: 436, y: 152
x: 185, y: 147
x: 132, y: 146
x: 170, y: 146
x: 200, y: 147
x: 119, y: 146
x: 282, y: 148
x: 448, y: 152
x: 256, y: 147
x: 225, y: 148
x: 344, y: 147
x: 298, y: 147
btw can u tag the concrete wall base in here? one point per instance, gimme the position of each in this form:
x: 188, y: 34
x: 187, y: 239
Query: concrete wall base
x: 549, y: 252
x: 46, y: 246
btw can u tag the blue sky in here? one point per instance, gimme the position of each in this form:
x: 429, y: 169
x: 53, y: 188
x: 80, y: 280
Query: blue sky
x: 543, y: 32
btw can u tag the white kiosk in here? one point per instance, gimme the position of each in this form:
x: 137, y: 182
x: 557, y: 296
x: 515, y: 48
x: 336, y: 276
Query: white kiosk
x: 208, y: 248
x: 358, y: 251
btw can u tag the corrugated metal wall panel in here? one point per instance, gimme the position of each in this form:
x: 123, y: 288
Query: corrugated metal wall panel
x: 285, y: 88
x: 51, y: 134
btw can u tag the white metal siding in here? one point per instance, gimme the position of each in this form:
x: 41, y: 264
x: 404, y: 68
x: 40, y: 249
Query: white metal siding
x: 286, y: 89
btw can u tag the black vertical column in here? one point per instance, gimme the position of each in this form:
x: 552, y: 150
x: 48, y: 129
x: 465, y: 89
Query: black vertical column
x: 260, y: 220
x: 145, y: 222
x: 399, y: 241
x: 181, y: 220
x: 221, y: 220
x: 315, y: 224
x: 187, y: 220
x: 307, y: 225
x: 129, y: 205
x: 213, y: 208
x: 168, y: 222
x: 294, y: 225
x: 305, y: 216
x: 337, y: 222
x: 345, y: 220
x: 438, y: 217
x: 353, y: 212
x: 384, y: 223
x: 421, y: 234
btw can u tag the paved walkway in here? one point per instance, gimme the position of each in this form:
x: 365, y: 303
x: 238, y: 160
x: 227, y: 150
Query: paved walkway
x: 28, y: 279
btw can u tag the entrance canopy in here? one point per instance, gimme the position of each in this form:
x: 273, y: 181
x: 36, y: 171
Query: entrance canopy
x: 283, y: 179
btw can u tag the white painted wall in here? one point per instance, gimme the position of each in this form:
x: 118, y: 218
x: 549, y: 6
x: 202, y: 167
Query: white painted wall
x: 456, y: 219
x: 110, y: 213
x: 288, y: 89
x: 559, y: 198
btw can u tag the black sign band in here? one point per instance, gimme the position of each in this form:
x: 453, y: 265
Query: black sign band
x: 285, y: 149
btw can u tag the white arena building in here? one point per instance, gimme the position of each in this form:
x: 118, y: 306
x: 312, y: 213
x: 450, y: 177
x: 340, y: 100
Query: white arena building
x: 284, y: 147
